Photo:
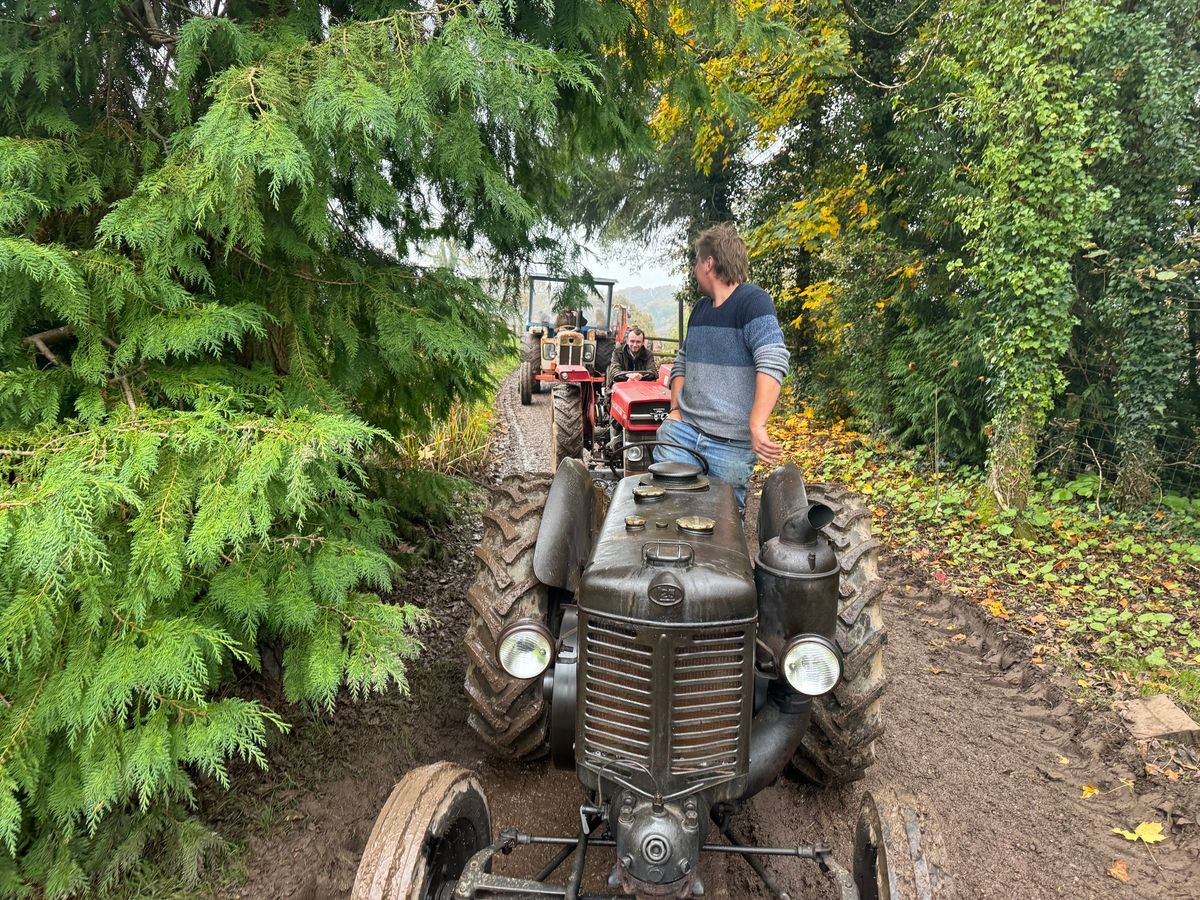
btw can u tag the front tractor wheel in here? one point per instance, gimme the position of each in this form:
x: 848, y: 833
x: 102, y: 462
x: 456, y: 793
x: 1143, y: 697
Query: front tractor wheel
x: 509, y: 714
x: 899, y: 849
x: 839, y: 745
x: 435, y: 820
x: 566, y: 424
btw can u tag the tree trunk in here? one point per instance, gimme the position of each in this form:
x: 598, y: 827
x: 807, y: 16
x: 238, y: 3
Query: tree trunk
x: 1138, y: 476
x: 1010, y: 456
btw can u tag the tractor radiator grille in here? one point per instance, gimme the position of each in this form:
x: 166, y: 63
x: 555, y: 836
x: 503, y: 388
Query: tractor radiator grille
x: 617, y: 700
x: 706, y: 707
x: 705, y: 694
x: 570, y: 354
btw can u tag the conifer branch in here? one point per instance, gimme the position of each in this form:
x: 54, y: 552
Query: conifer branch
x: 43, y: 339
x: 149, y: 30
x: 128, y: 392
x: 315, y: 279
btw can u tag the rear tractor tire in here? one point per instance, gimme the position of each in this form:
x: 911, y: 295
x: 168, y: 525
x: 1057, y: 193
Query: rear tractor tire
x: 531, y: 353
x: 839, y: 745
x: 566, y: 424
x: 435, y: 820
x: 525, y: 382
x: 899, y: 849
x: 509, y: 714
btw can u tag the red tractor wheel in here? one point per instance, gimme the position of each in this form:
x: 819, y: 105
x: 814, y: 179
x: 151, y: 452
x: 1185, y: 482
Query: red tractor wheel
x: 435, y: 820
x: 566, y: 424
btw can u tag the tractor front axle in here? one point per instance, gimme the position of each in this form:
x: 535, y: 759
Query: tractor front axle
x: 476, y: 883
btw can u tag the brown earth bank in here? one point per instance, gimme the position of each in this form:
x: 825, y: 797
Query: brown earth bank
x: 997, y: 746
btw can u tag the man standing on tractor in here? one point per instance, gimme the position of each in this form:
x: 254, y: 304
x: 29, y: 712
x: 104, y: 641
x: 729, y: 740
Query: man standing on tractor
x: 727, y: 376
x: 633, y: 358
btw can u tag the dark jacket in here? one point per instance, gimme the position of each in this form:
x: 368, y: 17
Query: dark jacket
x: 625, y: 361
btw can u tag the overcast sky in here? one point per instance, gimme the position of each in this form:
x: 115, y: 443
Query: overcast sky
x: 630, y: 265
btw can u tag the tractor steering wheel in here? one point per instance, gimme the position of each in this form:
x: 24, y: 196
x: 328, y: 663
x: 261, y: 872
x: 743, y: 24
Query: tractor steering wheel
x: 700, y: 459
x: 624, y: 376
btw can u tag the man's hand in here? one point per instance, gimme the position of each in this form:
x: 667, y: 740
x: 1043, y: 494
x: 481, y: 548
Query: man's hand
x: 768, y: 451
x: 675, y: 414
x: 634, y: 376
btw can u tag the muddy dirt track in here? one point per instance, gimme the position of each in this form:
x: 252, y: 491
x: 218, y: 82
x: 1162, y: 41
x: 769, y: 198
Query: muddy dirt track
x: 996, y: 746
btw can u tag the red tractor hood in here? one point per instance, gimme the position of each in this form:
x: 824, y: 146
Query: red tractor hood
x: 640, y: 405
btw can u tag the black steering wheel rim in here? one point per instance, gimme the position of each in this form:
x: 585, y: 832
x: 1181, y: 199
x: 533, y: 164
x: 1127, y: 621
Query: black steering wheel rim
x: 623, y: 375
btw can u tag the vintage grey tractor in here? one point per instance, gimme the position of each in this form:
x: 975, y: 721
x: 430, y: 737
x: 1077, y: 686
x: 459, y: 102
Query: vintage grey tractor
x: 636, y: 639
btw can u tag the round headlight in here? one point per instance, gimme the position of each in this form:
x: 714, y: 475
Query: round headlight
x: 811, y: 665
x: 633, y: 454
x: 525, y: 650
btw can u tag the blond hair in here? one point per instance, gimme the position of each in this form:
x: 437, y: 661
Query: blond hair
x: 731, y: 263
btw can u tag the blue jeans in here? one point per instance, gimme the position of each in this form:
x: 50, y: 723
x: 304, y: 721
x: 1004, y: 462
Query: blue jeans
x: 731, y: 461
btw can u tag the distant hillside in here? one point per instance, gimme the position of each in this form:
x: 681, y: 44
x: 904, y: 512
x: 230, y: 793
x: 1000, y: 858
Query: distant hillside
x: 654, y: 308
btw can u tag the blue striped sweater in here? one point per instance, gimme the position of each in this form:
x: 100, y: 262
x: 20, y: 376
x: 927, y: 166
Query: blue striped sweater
x: 725, y: 349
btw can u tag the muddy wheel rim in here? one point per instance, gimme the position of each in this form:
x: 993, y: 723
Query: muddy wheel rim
x: 447, y: 855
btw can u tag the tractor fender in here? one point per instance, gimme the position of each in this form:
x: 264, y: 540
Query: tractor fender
x: 569, y: 523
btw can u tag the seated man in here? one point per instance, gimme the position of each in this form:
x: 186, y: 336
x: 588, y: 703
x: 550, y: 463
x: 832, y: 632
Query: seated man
x: 633, y: 357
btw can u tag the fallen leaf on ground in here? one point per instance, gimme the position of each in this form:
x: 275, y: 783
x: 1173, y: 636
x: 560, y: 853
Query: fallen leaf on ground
x: 1119, y: 870
x: 1063, y: 761
x: 1147, y: 832
x: 959, y: 637
x: 940, y: 576
x: 1089, y: 790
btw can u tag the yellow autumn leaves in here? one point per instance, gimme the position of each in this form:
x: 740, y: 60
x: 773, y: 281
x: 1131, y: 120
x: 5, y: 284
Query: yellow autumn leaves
x: 755, y: 89
x: 1146, y: 832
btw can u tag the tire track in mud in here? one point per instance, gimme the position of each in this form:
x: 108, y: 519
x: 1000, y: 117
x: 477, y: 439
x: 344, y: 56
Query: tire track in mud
x: 523, y: 444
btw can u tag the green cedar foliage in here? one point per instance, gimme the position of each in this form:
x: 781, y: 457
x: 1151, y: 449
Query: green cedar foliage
x: 210, y: 325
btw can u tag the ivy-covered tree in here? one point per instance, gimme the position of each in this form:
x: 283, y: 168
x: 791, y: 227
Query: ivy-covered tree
x: 982, y: 219
x: 1138, y: 270
x: 1033, y: 203
x: 212, y: 316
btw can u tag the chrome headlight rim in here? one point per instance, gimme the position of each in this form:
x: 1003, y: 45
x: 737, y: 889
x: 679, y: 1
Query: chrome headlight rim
x: 539, y: 649
x: 821, y: 643
x: 634, y: 453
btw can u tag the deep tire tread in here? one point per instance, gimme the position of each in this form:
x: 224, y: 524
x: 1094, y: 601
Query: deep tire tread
x: 509, y: 715
x: 567, y: 424
x: 839, y: 745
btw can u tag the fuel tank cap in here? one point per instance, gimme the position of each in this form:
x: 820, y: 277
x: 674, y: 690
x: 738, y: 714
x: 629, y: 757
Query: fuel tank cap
x: 673, y: 472
x: 696, y: 524
x: 644, y: 493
